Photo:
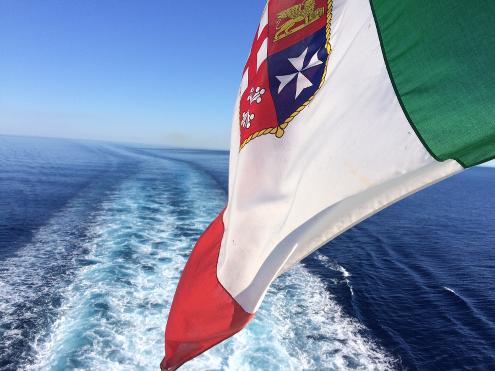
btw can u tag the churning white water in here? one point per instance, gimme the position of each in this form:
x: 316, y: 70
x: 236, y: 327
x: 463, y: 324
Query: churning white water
x: 113, y: 297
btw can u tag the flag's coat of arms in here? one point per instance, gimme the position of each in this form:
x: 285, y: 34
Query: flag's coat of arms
x: 286, y: 67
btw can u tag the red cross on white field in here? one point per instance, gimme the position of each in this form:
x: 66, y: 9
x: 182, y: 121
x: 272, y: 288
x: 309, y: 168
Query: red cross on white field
x: 258, y: 54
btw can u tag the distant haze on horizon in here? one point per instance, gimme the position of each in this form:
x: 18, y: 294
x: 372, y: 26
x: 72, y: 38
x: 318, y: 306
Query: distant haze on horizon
x: 150, y: 72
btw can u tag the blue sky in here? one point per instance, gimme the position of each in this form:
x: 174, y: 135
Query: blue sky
x: 159, y: 72
x: 142, y: 71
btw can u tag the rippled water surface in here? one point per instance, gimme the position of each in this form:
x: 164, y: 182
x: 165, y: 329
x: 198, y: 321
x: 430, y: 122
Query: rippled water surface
x: 93, y: 238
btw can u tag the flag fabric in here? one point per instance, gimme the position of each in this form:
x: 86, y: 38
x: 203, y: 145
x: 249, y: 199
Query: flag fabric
x: 345, y: 107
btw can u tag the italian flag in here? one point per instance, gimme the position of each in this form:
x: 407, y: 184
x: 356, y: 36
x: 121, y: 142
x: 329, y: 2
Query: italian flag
x: 403, y: 97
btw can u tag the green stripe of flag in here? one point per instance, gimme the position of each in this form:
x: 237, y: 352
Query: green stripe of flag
x: 441, y: 59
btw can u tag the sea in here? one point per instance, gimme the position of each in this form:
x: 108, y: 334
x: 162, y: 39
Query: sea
x: 94, y: 235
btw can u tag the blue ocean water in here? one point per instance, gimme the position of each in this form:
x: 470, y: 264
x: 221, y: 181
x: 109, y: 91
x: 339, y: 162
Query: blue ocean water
x: 93, y: 237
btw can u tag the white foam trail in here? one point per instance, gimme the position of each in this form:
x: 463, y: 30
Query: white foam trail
x: 345, y: 273
x: 450, y: 290
x: 30, y: 281
x: 332, y: 265
x: 300, y: 327
x: 114, y: 311
x: 337, y: 268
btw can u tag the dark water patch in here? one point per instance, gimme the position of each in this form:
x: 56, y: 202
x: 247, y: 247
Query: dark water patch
x: 85, y: 262
x: 147, y: 268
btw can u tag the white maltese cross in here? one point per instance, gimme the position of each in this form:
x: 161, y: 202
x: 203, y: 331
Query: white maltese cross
x: 302, y: 81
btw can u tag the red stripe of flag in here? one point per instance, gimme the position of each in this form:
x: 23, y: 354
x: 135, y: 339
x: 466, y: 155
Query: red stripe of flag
x: 203, y: 313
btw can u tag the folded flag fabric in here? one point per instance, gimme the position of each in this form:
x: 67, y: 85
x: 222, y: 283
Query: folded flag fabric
x: 345, y: 107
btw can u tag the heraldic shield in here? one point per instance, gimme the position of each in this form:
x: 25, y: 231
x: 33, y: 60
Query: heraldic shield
x: 286, y: 67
